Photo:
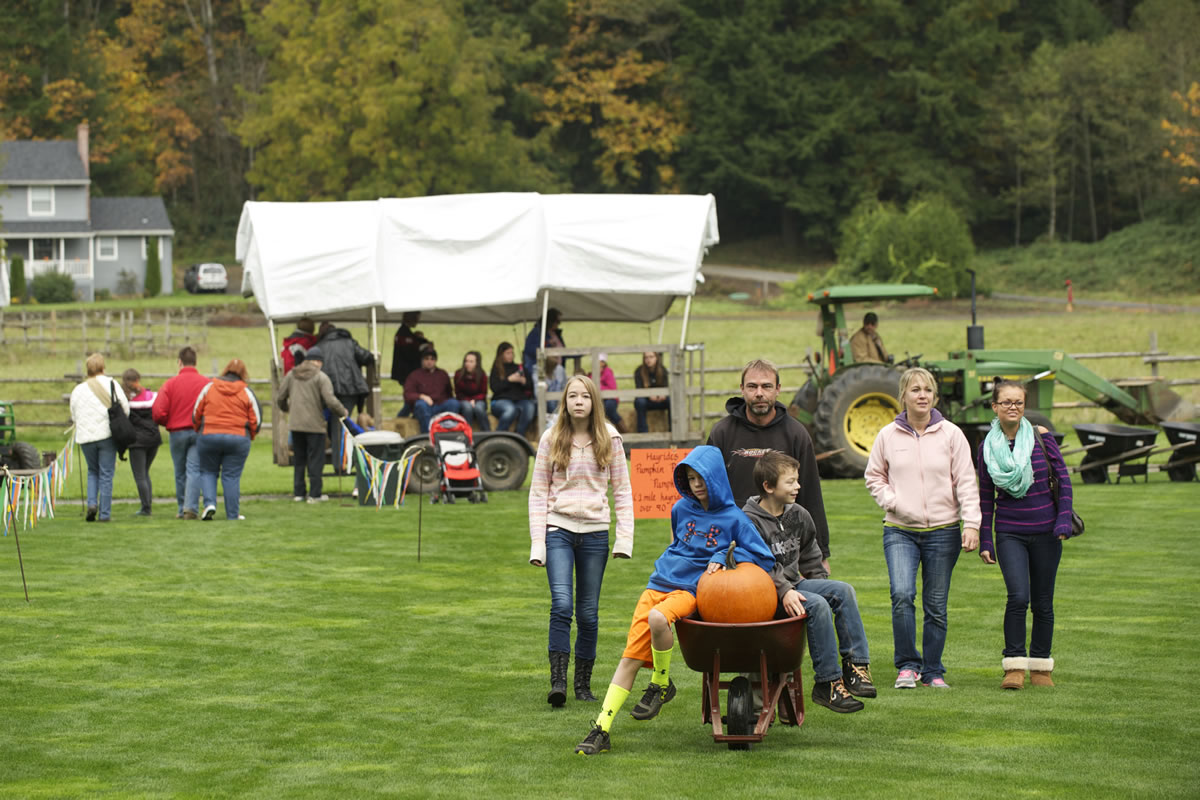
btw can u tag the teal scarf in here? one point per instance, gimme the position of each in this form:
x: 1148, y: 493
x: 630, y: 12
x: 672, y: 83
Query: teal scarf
x: 1011, y: 470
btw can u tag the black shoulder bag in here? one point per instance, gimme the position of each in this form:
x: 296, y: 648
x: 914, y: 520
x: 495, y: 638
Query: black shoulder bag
x: 1076, y: 520
x: 119, y: 423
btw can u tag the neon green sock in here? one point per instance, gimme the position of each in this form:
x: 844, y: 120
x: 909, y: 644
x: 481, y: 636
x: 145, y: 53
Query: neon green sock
x: 662, y: 666
x: 612, y: 704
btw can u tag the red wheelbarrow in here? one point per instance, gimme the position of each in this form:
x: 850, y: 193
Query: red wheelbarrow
x: 773, y: 649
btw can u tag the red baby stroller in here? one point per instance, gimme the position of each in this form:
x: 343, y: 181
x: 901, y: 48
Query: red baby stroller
x: 450, y: 436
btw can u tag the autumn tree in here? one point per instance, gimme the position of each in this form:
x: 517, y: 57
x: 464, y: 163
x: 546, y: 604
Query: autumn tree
x: 407, y: 111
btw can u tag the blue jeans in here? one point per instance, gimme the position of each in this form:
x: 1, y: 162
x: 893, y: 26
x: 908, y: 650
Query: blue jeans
x: 585, y: 555
x: 224, y: 453
x: 101, y: 458
x: 187, y: 469
x: 936, y: 553
x: 505, y: 411
x: 643, y: 404
x: 475, y: 412
x: 610, y: 411
x: 833, y: 606
x: 1029, y: 563
x: 425, y: 412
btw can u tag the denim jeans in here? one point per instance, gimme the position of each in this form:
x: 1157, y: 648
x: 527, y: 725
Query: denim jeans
x: 643, y: 404
x: 224, y: 453
x: 936, y: 553
x: 585, y: 556
x: 101, y: 458
x: 610, y: 411
x: 187, y: 469
x: 833, y: 606
x: 475, y: 412
x: 1029, y: 563
x: 425, y: 412
x: 140, y: 460
x: 505, y: 411
x: 308, y: 455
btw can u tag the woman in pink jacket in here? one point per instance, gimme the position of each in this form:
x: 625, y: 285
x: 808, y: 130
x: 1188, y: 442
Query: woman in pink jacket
x: 920, y: 472
x: 577, y: 460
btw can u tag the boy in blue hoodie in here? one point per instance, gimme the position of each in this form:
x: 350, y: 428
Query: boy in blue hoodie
x: 703, y: 523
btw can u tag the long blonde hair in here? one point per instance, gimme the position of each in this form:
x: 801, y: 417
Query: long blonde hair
x: 560, y: 434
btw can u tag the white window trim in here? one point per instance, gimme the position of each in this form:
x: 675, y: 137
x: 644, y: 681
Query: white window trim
x: 160, y: 247
x: 34, y: 213
x: 115, y: 252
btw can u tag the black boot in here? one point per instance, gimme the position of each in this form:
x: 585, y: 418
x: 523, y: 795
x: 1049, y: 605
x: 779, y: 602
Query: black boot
x: 583, y: 679
x: 558, y: 679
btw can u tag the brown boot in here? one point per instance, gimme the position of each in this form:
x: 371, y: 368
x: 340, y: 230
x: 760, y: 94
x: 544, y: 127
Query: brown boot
x: 1039, y: 671
x: 1014, y: 672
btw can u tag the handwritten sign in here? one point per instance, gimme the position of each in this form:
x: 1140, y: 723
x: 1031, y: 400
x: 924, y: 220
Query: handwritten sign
x: 651, y: 473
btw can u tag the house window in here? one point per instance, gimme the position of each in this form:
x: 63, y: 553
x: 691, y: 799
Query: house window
x: 41, y: 201
x: 106, y: 248
x: 160, y: 248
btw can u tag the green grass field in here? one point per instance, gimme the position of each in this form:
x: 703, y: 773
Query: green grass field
x: 306, y: 652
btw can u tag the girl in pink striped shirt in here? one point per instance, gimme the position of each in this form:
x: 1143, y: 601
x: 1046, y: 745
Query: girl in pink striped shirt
x: 577, y: 460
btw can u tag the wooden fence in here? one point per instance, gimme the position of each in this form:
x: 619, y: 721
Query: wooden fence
x: 160, y: 331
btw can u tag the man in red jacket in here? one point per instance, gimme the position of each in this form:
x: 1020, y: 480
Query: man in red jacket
x: 173, y: 410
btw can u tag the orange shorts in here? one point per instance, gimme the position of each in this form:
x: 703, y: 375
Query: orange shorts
x: 672, y: 605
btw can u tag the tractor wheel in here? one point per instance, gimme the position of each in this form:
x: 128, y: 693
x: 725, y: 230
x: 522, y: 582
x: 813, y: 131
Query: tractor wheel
x: 806, y: 396
x: 503, y: 464
x: 741, y: 710
x: 24, y: 456
x: 853, y: 409
x: 426, y: 472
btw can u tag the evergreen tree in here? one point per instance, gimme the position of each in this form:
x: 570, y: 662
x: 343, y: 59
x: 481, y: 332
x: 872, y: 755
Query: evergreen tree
x: 153, y: 283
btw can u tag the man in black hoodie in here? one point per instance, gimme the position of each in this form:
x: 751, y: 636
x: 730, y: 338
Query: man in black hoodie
x: 758, y: 422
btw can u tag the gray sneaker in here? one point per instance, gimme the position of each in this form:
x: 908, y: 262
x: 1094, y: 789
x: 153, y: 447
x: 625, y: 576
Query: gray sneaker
x: 596, y: 742
x: 653, y: 700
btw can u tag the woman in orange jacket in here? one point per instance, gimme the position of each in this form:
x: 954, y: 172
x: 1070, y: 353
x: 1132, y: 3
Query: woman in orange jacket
x: 227, y: 416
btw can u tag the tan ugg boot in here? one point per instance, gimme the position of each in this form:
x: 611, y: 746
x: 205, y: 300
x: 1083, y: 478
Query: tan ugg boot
x: 1039, y: 671
x: 1014, y: 672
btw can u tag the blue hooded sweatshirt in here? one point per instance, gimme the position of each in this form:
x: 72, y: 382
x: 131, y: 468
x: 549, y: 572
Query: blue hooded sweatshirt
x: 702, y: 535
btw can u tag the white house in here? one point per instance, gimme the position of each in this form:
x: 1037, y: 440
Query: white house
x: 49, y: 218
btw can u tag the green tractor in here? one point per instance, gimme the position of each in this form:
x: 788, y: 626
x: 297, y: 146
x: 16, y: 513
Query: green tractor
x: 845, y: 404
x: 14, y: 454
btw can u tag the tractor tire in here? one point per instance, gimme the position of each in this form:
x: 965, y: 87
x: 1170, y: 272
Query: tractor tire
x: 24, y: 456
x: 426, y: 473
x: 806, y: 396
x: 503, y: 464
x: 853, y: 409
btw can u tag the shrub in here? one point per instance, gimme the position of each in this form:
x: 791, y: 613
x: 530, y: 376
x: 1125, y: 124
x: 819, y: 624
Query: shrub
x: 153, y: 283
x: 103, y: 294
x: 928, y: 242
x: 126, y: 283
x: 16, y: 279
x: 53, y: 287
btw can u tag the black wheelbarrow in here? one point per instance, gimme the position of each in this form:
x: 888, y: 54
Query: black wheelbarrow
x: 774, y: 650
x: 1185, y: 436
x: 1107, y: 444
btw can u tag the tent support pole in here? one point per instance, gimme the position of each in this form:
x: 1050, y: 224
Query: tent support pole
x: 539, y: 391
x: 274, y: 352
x: 687, y: 312
x: 376, y: 403
x: 662, y: 327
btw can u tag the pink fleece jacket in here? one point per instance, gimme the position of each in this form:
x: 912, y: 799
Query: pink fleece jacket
x: 925, y: 481
x: 577, y: 499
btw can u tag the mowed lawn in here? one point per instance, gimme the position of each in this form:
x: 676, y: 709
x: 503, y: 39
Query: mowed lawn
x: 305, y: 652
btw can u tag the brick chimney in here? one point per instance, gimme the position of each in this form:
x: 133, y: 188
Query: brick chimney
x: 81, y: 141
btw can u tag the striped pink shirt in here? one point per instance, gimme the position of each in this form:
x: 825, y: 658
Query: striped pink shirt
x: 577, y: 499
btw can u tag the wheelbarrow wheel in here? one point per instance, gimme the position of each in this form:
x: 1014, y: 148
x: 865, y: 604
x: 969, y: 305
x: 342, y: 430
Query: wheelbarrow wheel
x: 741, y: 710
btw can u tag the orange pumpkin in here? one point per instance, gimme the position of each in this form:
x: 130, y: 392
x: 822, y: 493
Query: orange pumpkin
x: 739, y: 593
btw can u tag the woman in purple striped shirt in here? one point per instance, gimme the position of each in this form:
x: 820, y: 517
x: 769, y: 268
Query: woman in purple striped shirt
x: 1014, y: 491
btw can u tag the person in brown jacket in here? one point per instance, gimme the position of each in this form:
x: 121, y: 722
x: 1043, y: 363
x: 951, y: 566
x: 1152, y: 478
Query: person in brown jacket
x: 227, y: 416
x: 866, y: 344
x: 305, y: 393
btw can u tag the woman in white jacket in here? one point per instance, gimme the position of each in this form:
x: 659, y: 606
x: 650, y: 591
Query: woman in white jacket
x: 94, y: 436
x: 920, y: 472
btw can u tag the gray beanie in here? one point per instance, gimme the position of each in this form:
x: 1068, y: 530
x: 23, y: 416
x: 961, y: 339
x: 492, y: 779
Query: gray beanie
x: 314, y: 354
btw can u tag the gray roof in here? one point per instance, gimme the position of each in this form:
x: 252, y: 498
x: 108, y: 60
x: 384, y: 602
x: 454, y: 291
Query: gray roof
x: 23, y: 161
x: 11, y: 229
x: 129, y: 214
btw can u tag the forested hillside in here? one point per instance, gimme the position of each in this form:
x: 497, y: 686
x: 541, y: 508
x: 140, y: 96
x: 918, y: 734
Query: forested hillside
x: 1035, y: 120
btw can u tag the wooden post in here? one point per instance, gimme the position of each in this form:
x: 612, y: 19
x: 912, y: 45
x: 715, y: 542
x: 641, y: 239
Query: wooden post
x: 1154, y: 349
x: 167, y: 329
x: 2, y: 326
x: 186, y: 320
x: 25, y: 328
x: 150, y: 345
x: 83, y: 328
x: 53, y: 331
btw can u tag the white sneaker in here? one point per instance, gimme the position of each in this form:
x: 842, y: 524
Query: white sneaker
x: 907, y: 679
x: 320, y: 499
x: 241, y: 516
x: 354, y: 494
x: 298, y: 498
x: 209, y: 512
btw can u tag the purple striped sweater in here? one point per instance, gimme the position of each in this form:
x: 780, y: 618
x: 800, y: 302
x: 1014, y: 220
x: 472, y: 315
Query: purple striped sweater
x: 1033, y: 513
